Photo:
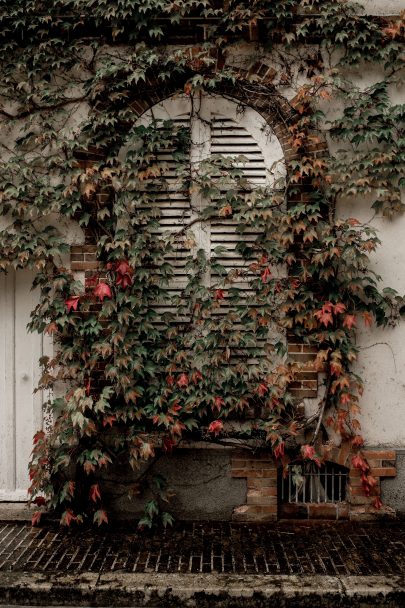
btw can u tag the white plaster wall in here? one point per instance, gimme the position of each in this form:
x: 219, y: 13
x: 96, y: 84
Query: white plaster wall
x: 382, y: 7
x: 382, y: 350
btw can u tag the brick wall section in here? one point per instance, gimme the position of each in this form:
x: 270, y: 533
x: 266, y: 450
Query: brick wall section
x: 383, y: 464
x: 260, y: 472
x: 357, y: 506
x: 306, y: 384
x: 83, y: 258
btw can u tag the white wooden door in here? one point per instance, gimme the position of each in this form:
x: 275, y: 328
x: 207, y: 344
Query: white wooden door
x: 20, y: 408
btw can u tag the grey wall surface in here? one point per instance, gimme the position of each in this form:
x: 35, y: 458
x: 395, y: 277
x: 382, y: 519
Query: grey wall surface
x: 393, y: 489
x: 200, y: 481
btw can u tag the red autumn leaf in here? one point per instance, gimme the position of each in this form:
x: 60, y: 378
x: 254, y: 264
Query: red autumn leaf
x: 357, y: 441
x: 109, y: 420
x: 183, y: 380
x: 168, y: 444
x: 339, y: 308
x: 188, y: 88
x: 102, y: 291
x: 40, y: 501
x: 124, y: 274
x: 51, y: 328
x: 89, y: 467
x: 294, y: 283
x: 100, y: 517
x: 124, y: 281
x: 308, y: 451
x: 371, y: 481
x: 377, y: 503
x: 36, y: 518
x: 353, y: 222
x: 67, y: 517
x: 345, y: 398
x: 177, y: 428
x: 324, y: 316
x: 225, y: 211
x: 216, y: 427
x: 219, y: 294
x: 349, y: 321
x: 94, y: 493
x: 170, y: 380
x: 358, y: 462
x: 279, y: 450
x: 367, y: 318
x: 196, y: 376
x: 39, y: 436
x: 124, y: 268
x: 218, y: 403
x: 335, y: 368
x: 262, y: 389
x: 72, y: 303
x: 88, y: 386
x: 266, y: 275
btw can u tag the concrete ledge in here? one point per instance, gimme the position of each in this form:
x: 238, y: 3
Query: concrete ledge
x: 15, y: 511
x: 200, y: 590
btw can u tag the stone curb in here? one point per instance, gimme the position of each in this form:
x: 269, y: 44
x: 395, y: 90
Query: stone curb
x: 200, y: 590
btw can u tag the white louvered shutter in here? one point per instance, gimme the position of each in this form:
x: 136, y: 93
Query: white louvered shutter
x: 217, y: 126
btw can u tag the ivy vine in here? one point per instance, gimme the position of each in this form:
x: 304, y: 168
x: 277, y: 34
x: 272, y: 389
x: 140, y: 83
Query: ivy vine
x: 127, y: 379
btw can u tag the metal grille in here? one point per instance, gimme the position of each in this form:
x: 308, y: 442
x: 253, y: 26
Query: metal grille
x: 308, y: 483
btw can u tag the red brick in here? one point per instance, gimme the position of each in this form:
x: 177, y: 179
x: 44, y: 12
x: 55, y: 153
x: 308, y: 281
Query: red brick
x: 302, y: 357
x: 305, y: 347
x: 266, y: 482
x: 322, y: 511
x: 83, y: 248
x: 301, y: 393
x: 261, y: 500
x: 359, y: 491
x: 239, y: 473
x: 84, y: 265
x: 238, y: 464
x: 270, y: 491
x: 293, y: 511
x: 376, y: 472
x: 361, y: 500
x: 259, y: 464
x: 295, y: 348
x: 381, y: 454
x: 384, y: 472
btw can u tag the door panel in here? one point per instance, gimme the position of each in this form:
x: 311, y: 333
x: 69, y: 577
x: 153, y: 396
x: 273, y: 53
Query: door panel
x: 20, y: 408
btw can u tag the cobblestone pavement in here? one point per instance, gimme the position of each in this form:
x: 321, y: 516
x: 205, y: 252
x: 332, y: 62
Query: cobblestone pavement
x: 334, y: 549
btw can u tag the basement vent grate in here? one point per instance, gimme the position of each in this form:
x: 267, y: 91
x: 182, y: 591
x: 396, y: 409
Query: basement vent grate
x: 308, y: 483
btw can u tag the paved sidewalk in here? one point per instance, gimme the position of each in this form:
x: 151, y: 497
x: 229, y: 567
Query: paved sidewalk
x: 205, y: 564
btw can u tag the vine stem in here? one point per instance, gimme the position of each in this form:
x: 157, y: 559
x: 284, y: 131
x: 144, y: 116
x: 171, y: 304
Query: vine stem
x: 322, y: 410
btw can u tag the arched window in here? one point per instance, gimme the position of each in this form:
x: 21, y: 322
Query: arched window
x: 224, y: 140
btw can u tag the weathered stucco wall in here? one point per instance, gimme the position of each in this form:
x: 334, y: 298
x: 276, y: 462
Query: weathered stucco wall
x: 199, y: 480
x: 382, y: 351
x: 382, y: 7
